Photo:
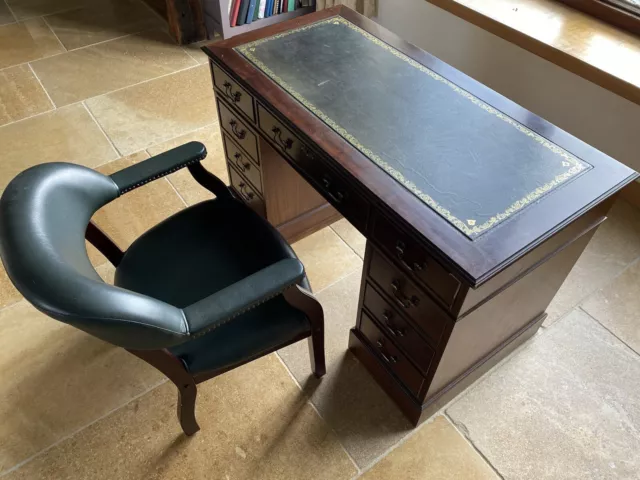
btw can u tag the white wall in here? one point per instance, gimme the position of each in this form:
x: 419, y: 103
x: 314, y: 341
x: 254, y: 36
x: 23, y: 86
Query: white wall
x: 591, y: 113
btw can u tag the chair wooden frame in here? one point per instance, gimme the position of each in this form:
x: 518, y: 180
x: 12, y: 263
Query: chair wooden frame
x: 175, y: 370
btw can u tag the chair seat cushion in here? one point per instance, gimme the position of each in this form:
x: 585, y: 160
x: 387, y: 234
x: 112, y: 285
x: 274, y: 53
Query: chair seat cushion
x: 200, y: 251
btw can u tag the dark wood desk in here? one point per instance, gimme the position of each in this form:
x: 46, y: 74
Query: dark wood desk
x: 474, y: 209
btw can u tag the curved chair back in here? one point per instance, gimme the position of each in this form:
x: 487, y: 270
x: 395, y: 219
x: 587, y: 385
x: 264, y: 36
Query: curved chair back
x: 44, y: 213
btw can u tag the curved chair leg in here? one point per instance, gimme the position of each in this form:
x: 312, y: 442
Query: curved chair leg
x: 303, y: 300
x: 173, y: 368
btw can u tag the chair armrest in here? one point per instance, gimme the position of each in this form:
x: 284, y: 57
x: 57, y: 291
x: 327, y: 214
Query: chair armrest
x: 226, y: 304
x: 158, y: 166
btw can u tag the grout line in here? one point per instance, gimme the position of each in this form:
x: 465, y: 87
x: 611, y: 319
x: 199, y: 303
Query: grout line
x: 315, y: 409
x: 154, y: 13
x: 44, y: 89
x: 103, y: 94
x: 175, y: 189
x: 102, y: 130
x: 595, y: 319
x: 15, y: 17
x: 343, y: 240
x: 91, y: 45
x: 75, y: 432
x: 57, y: 12
x: 44, y: 19
x: 464, y: 434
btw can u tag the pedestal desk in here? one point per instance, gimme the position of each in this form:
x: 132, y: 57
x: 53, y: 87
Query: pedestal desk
x: 474, y: 209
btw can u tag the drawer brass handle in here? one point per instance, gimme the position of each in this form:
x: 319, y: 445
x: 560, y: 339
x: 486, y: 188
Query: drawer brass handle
x: 234, y: 128
x: 248, y: 194
x: 387, y: 358
x: 336, y: 196
x: 228, y: 90
x: 241, y: 166
x: 400, y: 252
x: 401, y: 298
x: 393, y: 330
x: 277, y: 137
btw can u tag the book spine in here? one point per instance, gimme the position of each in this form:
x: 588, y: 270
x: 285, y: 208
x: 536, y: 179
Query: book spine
x: 268, y: 7
x: 251, y: 10
x: 234, y: 12
x: 242, y: 14
x: 292, y: 5
x: 263, y: 4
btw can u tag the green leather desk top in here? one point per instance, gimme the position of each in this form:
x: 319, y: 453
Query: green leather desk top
x: 469, y: 162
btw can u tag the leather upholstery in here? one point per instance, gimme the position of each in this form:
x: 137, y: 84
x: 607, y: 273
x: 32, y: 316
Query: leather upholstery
x: 44, y: 213
x: 159, y: 166
x: 219, y: 246
x: 204, y: 283
x: 460, y: 156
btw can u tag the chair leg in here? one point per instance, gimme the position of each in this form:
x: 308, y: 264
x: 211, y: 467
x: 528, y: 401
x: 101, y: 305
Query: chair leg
x: 175, y: 371
x: 303, y: 300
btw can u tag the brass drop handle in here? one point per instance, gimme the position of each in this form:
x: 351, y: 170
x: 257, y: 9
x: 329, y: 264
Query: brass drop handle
x: 228, y: 90
x: 387, y: 358
x: 400, y: 252
x: 401, y: 298
x: 238, y: 133
x: 277, y: 137
x: 248, y: 194
x: 395, y: 331
x: 337, y: 196
x: 241, y: 166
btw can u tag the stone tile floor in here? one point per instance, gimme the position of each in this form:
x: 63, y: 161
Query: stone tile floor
x: 100, y: 83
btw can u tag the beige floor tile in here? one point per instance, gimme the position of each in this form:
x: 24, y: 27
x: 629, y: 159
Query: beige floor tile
x: 351, y: 236
x: 104, y: 21
x: 215, y: 162
x: 106, y: 272
x: 21, y: 95
x: 91, y: 71
x: 65, y: 135
x: 195, y: 50
x: 614, y: 246
x: 566, y: 406
x: 326, y: 258
x: 436, y: 452
x: 153, y: 112
x: 8, y: 293
x: 129, y: 216
x: 348, y: 398
x: 5, y: 14
x: 55, y: 380
x: 36, y: 8
x: 27, y: 41
x: 255, y: 425
x: 617, y: 307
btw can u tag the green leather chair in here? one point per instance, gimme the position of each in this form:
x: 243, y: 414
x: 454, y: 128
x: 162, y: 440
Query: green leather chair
x: 208, y: 289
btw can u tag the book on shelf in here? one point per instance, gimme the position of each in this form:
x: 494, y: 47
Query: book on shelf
x: 250, y: 11
x: 242, y: 14
x: 234, y: 13
x: 256, y: 11
x: 292, y: 5
x: 263, y: 4
x: 268, y: 8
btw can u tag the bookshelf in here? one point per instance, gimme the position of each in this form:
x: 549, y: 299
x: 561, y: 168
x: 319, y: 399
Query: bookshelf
x: 216, y: 18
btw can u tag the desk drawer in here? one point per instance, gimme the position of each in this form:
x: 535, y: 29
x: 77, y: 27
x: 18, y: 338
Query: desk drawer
x: 237, y: 158
x: 285, y: 141
x: 415, y: 260
x: 246, y: 192
x: 401, y: 330
x: 237, y: 130
x: 390, y: 355
x: 233, y: 93
x: 406, y: 296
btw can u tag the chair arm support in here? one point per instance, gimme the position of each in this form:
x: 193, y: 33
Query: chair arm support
x: 158, y: 166
x: 228, y: 303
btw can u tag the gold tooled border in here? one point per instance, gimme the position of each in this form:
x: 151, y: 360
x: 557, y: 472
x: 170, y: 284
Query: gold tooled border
x: 470, y: 228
